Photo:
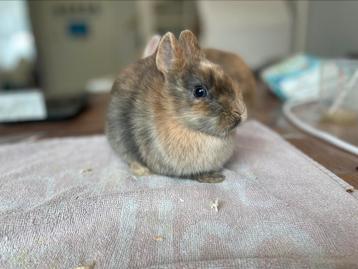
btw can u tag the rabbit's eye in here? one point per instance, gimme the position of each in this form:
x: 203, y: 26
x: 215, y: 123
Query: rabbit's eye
x: 200, y: 91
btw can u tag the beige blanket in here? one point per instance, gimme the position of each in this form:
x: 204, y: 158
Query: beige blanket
x: 71, y: 202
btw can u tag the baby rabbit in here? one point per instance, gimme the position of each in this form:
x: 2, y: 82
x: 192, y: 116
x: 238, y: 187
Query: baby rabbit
x: 174, y: 113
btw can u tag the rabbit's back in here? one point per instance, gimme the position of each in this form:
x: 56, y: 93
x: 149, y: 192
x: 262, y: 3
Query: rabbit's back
x: 128, y: 120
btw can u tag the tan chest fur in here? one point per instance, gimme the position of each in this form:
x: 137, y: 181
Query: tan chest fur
x: 187, y: 151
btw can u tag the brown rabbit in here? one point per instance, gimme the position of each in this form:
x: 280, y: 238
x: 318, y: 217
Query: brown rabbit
x: 174, y: 112
x: 233, y: 65
x: 237, y: 69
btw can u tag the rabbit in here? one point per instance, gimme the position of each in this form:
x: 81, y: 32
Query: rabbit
x: 174, y: 113
x: 233, y: 65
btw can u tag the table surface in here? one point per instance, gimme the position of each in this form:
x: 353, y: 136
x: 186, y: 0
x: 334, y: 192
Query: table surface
x: 268, y: 110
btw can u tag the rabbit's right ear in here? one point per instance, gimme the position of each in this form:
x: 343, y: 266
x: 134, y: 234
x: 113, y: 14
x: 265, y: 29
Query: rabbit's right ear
x: 190, y: 44
x: 169, y: 56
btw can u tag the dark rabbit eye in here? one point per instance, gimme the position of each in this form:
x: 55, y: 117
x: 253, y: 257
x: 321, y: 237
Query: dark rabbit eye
x: 200, y: 91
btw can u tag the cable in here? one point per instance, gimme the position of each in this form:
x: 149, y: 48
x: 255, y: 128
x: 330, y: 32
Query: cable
x: 287, y: 111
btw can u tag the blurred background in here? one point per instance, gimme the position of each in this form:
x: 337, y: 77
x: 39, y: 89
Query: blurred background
x: 55, y: 55
x: 60, y: 46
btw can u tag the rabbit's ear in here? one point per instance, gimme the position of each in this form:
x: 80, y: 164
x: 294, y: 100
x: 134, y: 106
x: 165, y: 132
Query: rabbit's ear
x: 190, y: 44
x: 169, y: 57
x: 151, y: 46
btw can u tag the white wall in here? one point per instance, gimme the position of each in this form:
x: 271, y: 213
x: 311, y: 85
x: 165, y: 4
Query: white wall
x: 259, y: 31
x: 332, y: 28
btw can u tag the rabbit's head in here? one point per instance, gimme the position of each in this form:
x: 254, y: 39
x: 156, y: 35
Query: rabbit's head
x: 200, y: 94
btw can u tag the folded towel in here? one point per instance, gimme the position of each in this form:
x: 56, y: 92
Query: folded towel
x: 72, y: 202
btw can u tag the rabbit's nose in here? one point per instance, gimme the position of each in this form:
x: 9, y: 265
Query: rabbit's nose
x: 236, y: 117
x: 236, y: 114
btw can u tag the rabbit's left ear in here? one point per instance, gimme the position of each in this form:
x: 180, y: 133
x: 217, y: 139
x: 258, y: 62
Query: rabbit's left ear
x: 190, y: 45
x: 151, y: 46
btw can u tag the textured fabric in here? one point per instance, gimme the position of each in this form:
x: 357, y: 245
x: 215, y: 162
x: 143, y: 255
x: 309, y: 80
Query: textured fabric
x: 72, y: 202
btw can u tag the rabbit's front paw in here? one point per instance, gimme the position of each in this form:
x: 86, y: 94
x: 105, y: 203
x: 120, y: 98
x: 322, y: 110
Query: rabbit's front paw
x: 211, y: 177
x: 138, y: 169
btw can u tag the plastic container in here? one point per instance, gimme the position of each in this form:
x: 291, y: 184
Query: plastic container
x: 339, y: 91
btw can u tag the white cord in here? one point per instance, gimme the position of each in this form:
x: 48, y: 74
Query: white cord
x: 287, y: 111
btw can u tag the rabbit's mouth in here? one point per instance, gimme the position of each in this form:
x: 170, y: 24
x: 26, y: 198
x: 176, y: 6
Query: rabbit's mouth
x: 236, y: 118
x: 235, y: 123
